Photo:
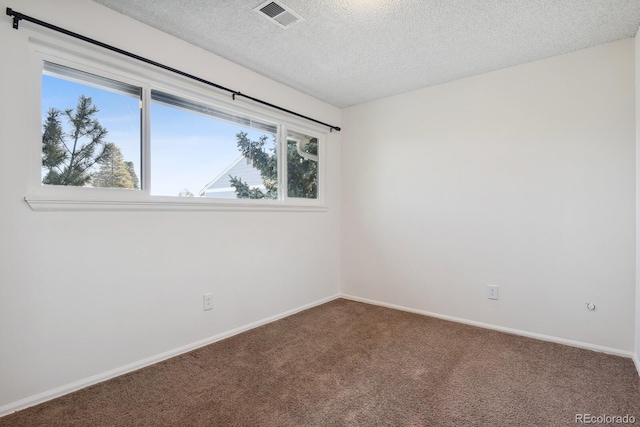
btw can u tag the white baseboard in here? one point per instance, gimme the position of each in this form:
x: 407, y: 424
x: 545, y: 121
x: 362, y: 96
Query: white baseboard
x: 534, y: 335
x: 104, y: 376
x: 636, y: 361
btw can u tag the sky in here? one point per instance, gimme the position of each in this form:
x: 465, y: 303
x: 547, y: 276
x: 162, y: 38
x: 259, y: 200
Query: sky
x: 188, y: 149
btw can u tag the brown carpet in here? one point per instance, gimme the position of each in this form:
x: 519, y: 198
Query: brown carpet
x: 351, y: 364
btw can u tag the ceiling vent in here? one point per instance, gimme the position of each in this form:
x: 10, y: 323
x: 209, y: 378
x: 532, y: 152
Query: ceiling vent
x: 279, y: 14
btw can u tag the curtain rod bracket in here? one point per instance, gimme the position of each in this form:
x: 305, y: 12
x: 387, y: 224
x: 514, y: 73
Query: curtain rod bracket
x: 16, y: 18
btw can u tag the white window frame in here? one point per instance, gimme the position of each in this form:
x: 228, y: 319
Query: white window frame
x: 78, y: 56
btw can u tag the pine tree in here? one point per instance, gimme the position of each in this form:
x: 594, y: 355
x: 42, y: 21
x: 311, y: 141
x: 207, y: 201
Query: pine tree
x: 265, y: 162
x: 70, y: 158
x: 134, y: 176
x: 302, y: 173
x: 114, y: 172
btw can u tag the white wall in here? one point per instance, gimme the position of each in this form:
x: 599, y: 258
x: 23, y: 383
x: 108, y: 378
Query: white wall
x: 522, y: 177
x: 636, y: 352
x: 83, y: 293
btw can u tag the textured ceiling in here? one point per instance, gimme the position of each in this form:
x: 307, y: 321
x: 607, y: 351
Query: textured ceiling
x: 347, y: 52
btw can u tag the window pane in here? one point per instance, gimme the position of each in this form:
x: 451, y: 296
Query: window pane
x: 201, y: 151
x: 302, y: 166
x: 91, y: 130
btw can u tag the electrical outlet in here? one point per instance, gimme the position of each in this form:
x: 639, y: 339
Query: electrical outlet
x: 492, y: 291
x: 207, y: 302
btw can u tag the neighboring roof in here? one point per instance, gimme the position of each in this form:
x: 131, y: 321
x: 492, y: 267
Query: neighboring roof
x: 239, y: 168
x: 349, y: 52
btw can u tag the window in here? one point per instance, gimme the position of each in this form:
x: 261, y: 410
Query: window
x: 201, y: 151
x: 91, y: 130
x: 302, y: 165
x: 116, y: 136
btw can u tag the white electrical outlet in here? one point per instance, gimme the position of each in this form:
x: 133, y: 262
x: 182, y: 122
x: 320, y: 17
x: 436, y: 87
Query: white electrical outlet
x: 492, y: 291
x: 207, y: 302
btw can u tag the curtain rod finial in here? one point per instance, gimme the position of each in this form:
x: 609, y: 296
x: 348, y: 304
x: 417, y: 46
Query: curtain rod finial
x: 16, y: 17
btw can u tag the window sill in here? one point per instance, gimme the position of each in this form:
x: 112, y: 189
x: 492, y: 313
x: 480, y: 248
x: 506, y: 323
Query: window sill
x: 38, y: 203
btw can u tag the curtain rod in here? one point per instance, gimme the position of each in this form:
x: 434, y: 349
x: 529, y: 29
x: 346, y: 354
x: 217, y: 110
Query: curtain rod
x: 17, y: 17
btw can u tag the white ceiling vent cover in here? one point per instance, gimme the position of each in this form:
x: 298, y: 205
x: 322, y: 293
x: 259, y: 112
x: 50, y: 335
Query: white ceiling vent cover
x: 279, y: 14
